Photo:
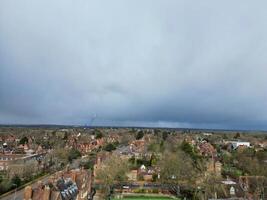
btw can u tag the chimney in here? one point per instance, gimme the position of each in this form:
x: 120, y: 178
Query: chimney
x: 39, y: 184
x: 46, y: 194
x: 73, y: 175
x: 28, y: 193
x: 98, y: 160
x: 89, y: 181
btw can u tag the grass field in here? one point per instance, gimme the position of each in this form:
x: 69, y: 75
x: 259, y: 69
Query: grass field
x: 144, y: 198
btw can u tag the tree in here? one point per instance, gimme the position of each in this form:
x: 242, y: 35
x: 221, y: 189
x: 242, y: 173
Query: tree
x: 24, y: 140
x: 74, y: 154
x: 140, y: 135
x: 99, y: 135
x: 15, y: 181
x: 227, y: 159
x: 237, y: 135
x: 153, y: 160
x: 126, y: 138
x: 142, y: 161
x: 176, y: 168
x: 165, y: 135
x: 261, y: 156
x: 190, y: 150
x: 154, y: 147
x: 30, y: 169
x: 213, y: 187
x: 60, y: 157
x: 132, y: 160
x: 88, y: 164
x: 113, y: 169
x: 110, y: 147
x: 5, y: 186
x: 225, y: 137
x: 249, y: 162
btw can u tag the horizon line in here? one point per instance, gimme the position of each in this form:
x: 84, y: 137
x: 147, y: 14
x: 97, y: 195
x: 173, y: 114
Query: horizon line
x: 122, y: 126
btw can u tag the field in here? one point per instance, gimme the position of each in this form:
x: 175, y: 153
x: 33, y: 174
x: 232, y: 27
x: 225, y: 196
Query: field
x: 144, y: 198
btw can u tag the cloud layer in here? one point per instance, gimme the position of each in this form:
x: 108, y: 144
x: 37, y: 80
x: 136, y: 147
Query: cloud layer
x: 153, y: 62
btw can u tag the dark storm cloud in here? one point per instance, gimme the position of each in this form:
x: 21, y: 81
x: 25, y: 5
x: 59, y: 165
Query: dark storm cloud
x: 162, y: 63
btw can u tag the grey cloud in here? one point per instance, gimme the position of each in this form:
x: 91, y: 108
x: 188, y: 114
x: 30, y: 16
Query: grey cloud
x: 173, y: 63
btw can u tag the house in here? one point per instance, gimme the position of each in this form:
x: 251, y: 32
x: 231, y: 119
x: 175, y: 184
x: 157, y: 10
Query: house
x: 132, y: 175
x: 146, y: 173
x: 72, y: 142
x: 12, y: 158
x: 40, y: 149
x: 214, y: 167
x: 252, y: 184
x: 142, y: 168
x: 10, y: 139
x: 69, y: 185
x: 263, y: 144
x: 23, y: 147
x: 137, y: 146
x: 6, y: 159
x: 250, y: 187
x: 112, y: 138
x: 232, y: 190
x: 236, y: 144
x: 190, y: 140
x: 124, y: 152
x: 207, y: 134
x: 85, y: 147
x: 206, y: 149
x: 148, y: 177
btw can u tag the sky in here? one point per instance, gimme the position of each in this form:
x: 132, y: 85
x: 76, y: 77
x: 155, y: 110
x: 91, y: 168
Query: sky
x: 175, y: 63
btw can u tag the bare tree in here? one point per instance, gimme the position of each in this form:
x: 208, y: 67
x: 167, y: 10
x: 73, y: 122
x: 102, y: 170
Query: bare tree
x: 176, y: 168
x: 113, y: 170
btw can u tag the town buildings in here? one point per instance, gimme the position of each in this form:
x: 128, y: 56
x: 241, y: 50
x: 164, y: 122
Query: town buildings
x: 69, y: 185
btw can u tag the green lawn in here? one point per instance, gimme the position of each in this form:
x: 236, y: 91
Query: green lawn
x: 144, y: 198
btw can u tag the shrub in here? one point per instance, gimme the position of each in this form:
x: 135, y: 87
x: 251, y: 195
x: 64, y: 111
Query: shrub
x: 140, y: 135
x: 73, y: 154
x: 109, y: 147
